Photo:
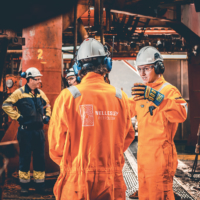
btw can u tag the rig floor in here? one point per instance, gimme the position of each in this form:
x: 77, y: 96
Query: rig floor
x: 184, y: 186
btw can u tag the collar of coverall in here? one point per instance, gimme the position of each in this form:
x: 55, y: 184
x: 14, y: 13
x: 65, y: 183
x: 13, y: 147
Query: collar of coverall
x: 93, y: 77
x: 157, y: 82
x: 28, y: 89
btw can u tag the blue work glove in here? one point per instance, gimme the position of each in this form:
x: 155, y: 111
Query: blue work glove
x: 20, y: 120
x: 141, y: 91
x: 46, y: 119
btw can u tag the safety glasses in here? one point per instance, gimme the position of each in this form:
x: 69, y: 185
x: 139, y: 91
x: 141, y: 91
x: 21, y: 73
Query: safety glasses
x: 145, y: 69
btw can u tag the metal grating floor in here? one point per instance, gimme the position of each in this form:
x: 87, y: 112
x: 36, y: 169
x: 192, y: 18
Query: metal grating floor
x: 181, y: 191
x: 130, y: 178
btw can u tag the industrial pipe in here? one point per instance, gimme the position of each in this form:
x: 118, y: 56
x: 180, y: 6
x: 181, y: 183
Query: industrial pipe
x: 43, y: 50
x: 82, y: 30
x: 75, y: 28
x: 101, y: 21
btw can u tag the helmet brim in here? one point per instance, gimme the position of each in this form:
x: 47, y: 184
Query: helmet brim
x: 149, y: 63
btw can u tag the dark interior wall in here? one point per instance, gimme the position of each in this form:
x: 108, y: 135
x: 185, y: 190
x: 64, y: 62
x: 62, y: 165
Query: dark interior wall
x: 176, y: 73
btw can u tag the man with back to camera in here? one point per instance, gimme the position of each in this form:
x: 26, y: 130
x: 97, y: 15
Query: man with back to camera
x: 31, y: 116
x: 159, y: 107
x: 90, y: 128
x: 71, y: 78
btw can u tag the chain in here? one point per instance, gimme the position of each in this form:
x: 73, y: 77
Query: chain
x: 88, y: 18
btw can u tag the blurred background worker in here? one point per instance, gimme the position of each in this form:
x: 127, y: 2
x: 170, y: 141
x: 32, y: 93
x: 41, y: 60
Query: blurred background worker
x: 159, y: 107
x: 31, y: 115
x: 71, y: 78
x: 89, y: 130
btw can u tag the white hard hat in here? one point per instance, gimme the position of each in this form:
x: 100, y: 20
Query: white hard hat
x: 148, y: 55
x: 90, y: 48
x: 32, y: 72
x: 70, y: 73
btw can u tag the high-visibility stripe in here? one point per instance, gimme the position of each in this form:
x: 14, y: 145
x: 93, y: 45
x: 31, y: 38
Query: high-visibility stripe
x: 118, y: 93
x: 165, y: 84
x: 39, y: 180
x: 186, y: 107
x: 7, y: 104
x: 24, y: 177
x: 183, y: 104
x: 22, y: 91
x: 74, y: 91
x: 24, y: 180
x: 39, y: 176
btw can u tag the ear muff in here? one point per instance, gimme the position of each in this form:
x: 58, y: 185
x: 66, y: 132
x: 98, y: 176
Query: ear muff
x: 23, y: 74
x: 77, y: 67
x: 159, y: 67
x: 107, y: 59
x: 108, y: 63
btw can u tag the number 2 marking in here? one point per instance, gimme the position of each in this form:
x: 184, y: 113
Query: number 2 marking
x: 40, y: 52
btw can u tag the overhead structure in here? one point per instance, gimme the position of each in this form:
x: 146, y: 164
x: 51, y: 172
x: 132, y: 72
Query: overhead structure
x: 98, y: 19
x: 75, y: 28
x: 171, y: 26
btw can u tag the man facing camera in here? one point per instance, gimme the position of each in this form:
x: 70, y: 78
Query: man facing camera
x: 71, y: 78
x: 159, y: 107
x: 33, y: 111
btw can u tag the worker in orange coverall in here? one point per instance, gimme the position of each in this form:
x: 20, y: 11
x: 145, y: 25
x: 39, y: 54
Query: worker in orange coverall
x: 89, y: 131
x: 159, y: 107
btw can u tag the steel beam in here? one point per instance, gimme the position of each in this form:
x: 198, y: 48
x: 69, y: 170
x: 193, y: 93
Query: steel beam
x: 194, y: 94
x: 108, y: 19
x: 75, y: 28
x: 16, y: 15
x: 97, y: 16
x: 134, y: 27
x: 101, y: 21
x: 82, y: 30
x: 3, y: 51
x: 68, y: 18
x: 191, y: 18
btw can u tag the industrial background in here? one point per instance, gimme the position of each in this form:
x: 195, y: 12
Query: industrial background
x: 46, y: 35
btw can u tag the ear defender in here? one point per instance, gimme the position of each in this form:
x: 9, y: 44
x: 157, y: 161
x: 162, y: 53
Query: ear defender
x: 108, y: 63
x: 23, y: 74
x: 77, y: 67
x: 159, y: 67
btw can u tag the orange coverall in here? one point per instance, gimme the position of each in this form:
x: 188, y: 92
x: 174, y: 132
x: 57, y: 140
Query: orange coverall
x: 157, y: 156
x: 87, y: 137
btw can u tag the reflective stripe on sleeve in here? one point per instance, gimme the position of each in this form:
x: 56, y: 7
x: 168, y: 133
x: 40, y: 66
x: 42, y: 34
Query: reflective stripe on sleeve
x: 22, y: 91
x: 186, y: 107
x: 118, y: 93
x: 74, y: 91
